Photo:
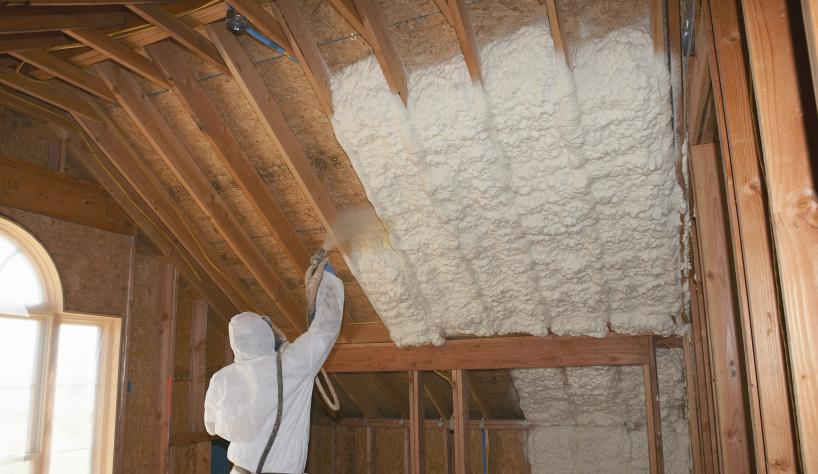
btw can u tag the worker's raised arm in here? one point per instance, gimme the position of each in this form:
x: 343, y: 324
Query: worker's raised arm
x: 311, y: 349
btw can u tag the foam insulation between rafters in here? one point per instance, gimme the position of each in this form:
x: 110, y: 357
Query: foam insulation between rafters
x: 545, y: 200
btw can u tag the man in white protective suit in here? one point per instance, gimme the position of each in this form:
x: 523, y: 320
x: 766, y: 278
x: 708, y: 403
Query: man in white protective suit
x: 242, y: 401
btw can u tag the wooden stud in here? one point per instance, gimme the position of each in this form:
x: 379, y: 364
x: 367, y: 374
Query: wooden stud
x: 654, y: 423
x: 23, y: 41
x: 38, y: 19
x: 786, y: 118
x: 810, y: 12
x: 187, y: 90
x: 553, y: 22
x: 168, y: 146
x: 370, y: 450
x: 727, y: 360
x: 439, y: 394
x: 32, y: 188
x: 164, y: 396
x: 765, y: 352
x: 63, y: 100
x: 366, y: 17
x: 693, y: 407
x: 657, y: 25
x: 264, y: 22
x: 305, y: 49
x: 198, y: 369
x: 460, y: 389
x: 416, y: 422
x: 181, y: 32
x: 117, y: 51
x: 65, y: 71
x: 492, y: 353
x: 457, y: 14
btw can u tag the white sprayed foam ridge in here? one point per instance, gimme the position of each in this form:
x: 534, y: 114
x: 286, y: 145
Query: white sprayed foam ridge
x: 593, y: 419
x: 545, y: 199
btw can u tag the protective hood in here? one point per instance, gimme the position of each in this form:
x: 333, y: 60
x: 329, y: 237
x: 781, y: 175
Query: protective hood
x: 251, y: 337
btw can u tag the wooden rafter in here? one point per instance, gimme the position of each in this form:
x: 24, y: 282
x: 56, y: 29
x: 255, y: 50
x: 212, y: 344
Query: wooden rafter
x: 168, y: 146
x: 482, y: 405
x: 657, y: 25
x: 181, y: 32
x: 306, y: 51
x: 554, y: 23
x: 492, y: 353
x: 119, y: 52
x: 36, y: 189
x: 416, y: 422
x: 264, y: 22
x: 366, y: 17
x: 456, y: 13
x: 46, y: 93
x: 35, y: 109
x: 775, y: 443
x: 65, y: 71
x: 439, y: 395
x: 24, y: 41
x: 19, y: 19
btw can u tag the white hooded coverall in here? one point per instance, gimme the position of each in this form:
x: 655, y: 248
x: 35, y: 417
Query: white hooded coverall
x: 241, y: 401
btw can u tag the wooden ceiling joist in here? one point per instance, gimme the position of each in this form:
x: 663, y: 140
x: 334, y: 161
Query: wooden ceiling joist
x: 119, y: 52
x: 36, y: 189
x: 190, y: 94
x: 456, y: 13
x: 181, y: 32
x: 439, y: 395
x: 492, y: 353
x: 306, y: 50
x: 46, y: 93
x: 168, y: 146
x: 264, y: 22
x: 366, y: 17
x: 19, y: 19
x: 65, y: 71
x: 554, y: 24
x: 24, y: 41
x: 35, y: 109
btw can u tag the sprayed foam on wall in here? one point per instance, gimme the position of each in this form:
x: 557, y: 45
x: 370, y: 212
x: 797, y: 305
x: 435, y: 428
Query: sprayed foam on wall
x: 593, y: 419
x: 544, y: 200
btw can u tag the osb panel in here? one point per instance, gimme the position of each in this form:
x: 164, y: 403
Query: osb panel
x: 389, y: 449
x: 507, y: 452
x: 321, y: 450
x: 435, y: 456
x: 184, y: 459
x: 180, y: 422
x: 350, y: 450
x: 143, y: 368
x: 21, y: 138
x: 92, y: 263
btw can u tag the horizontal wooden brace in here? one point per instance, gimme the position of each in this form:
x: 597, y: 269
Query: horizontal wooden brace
x: 492, y: 353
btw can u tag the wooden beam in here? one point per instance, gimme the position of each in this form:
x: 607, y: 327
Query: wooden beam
x: 65, y: 71
x: 367, y: 18
x: 416, y: 423
x: 24, y: 41
x: 457, y: 14
x: 222, y: 141
x: 439, y: 394
x: 370, y: 450
x: 113, y: 144
x: 63, y: 100
x: 554, y: 23
x: 657, y: 25
x: 32, y: 188
x: 787, y: 124
x: 164, y: 388
x: 492, y: 353
x: 810, y: 12
x: 181, y: 32
x: 20, y: 19
x: 460, y: 389
x: 35, y: 109
x: 651, y: 381
x: 762, y: 324
x: 119, y: 52
x: 305, y: 49
x: 264, y: 22
x: 482, y: 405
x: 198, y: 369
x: 727, y: 360
x: 168, y: 146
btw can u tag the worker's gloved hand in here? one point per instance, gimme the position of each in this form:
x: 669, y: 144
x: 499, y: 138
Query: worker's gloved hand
x: 329, y: 269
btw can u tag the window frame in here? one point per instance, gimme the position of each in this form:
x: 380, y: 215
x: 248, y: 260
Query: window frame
x: 51, y: 316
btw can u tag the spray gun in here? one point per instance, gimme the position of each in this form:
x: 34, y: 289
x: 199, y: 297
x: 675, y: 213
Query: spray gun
x: 237, y: 24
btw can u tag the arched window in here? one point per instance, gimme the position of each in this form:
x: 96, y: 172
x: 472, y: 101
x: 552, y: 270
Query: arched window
x: 57, y: 369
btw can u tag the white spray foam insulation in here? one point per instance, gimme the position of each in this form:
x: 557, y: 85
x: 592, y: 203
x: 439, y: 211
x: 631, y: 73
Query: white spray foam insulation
x: 545, y: 199
x: 593, y: 419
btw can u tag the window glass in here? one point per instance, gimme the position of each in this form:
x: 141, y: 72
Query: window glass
x: 20, y: 285
x: 19, y: 386
x: 75, y: 399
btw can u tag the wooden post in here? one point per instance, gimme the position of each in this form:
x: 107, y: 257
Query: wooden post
x: 657, y: 464
x: 198, y: 366
x: 164, y: 396
x: 370, y: 450
x: 460, y: 387
x: 417, y: 409
x: 693, y: 408
x: 787, y: 124
x: 727, y: 363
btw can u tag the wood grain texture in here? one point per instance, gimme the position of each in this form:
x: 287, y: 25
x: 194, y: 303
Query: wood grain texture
x: 810, y: 13
x: 762, y: 323
x: 24, y: 41
x: 654, y: 423
x: 460, y: 418
x: 417, y: 409
x: 492, y: 353
x: 63, y: 100
x: 554, y: 23
x: 459, y: 15
x: 164, y: 387
x: 21, y: 19
x: 65, y: 71
x: 787, y: 124
x: 722, y: 318
x: 35, y: 189
x: 376, y: 33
